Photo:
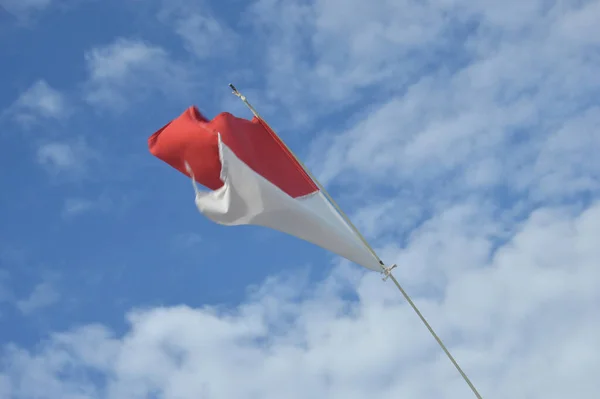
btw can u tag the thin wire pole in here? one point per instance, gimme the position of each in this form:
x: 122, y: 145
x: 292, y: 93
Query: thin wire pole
x: 439, y: 341
x: 385, y: 270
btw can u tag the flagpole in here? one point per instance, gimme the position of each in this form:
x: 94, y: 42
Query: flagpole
x: 386, y: 270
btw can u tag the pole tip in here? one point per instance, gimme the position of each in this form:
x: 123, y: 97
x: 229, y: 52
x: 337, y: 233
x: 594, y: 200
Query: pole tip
x: 233, y: 88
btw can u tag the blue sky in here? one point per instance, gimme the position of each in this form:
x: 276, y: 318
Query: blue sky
x: 461, y: 138
x: 116, y: 228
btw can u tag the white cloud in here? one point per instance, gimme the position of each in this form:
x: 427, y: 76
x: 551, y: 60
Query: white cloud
x: 521, y: 323
x: 335, y: 53
x: 57, y: 155
x: 23, y: 7
x: 43, y: 295
x: 187, y: 240
x: 26, y: 11
x: 60, y: 157
x: 327, y: 51
x: 39, y: 102
x: 512, y: 111
x: 77, y: 206
x: 129, y: 70
x: 5, y: 291
x: 203, y: 35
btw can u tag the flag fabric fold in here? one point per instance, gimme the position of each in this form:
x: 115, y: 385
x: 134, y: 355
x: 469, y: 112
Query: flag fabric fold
x: 253, y: 179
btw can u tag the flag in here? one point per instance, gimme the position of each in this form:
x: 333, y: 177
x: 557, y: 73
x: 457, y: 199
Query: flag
x: 252, y: 178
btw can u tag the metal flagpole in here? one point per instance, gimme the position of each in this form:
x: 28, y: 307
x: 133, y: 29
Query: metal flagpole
x: 387, y: 271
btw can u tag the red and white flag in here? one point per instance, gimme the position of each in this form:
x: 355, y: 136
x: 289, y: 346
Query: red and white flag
x: 254, y: 179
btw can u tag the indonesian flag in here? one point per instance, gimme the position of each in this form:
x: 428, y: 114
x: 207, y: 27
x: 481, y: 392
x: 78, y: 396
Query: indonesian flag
x: 252, y: 178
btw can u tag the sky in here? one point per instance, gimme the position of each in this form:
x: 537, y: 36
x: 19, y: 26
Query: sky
x: 461, y: 137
